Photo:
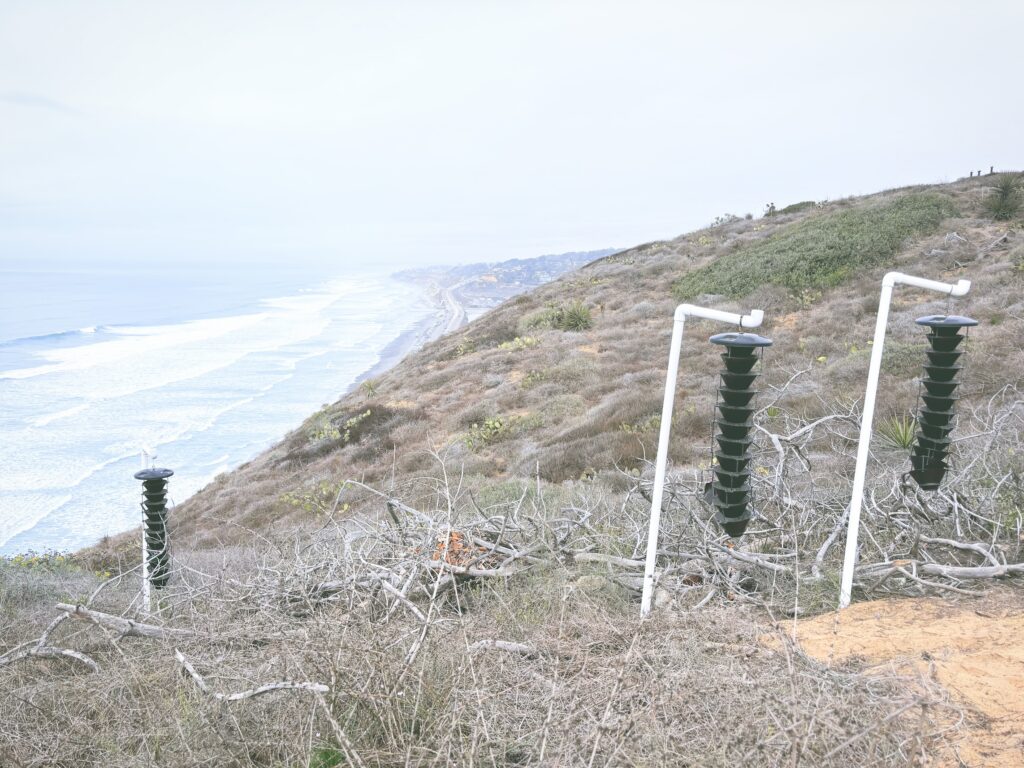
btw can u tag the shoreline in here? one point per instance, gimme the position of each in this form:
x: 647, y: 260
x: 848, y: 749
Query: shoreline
x: 449, y: 315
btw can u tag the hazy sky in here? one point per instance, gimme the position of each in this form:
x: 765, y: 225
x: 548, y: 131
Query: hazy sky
x: 451, y: 131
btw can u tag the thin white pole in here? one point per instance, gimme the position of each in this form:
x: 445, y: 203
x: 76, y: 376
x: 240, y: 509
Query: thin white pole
x: 864, y: 442
x: 147, y: 605
x: 753, y: 320
x: 660, y: 463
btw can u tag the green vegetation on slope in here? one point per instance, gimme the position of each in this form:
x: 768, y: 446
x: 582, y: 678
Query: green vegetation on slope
x: 1006, y: 199
x: 822, y: 251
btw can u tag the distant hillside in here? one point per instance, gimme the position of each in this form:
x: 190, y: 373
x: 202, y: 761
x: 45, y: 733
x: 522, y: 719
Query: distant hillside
x: 485, y: 285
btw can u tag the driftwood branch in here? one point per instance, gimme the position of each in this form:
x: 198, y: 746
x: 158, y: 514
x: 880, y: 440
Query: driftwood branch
x: 48, y: 652
x: 124, y: 627
x: 877, y: 570
x: 283, y: 685
x: 523, y: 649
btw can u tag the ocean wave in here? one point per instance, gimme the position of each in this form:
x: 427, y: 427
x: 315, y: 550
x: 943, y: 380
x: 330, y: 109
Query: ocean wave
x: 22, y: 512
x: 44, y: 337
x: 37, y: 476
x: 138, y: 340
x: 49, y: 418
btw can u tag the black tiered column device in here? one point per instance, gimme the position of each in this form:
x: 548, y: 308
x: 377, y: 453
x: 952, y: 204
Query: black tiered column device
x: 154, y: 510
x: 733, y: 420
x: 938, y: 396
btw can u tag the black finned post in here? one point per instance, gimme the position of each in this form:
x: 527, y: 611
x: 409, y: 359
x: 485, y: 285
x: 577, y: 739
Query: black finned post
x: 154, y: 511
x: 734, y: 420
x: 972, y: 174
x: 991, y: 170
x: 928, y: 460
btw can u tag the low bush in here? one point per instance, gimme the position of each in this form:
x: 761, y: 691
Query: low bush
x: 488, y: 431
x: 1006, y: 199
x: 575, y: 316
x: 519, y: 343
x: 805, y: 205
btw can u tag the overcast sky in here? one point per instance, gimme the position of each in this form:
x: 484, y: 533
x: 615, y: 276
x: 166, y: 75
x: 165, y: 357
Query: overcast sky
x: 433, y: 131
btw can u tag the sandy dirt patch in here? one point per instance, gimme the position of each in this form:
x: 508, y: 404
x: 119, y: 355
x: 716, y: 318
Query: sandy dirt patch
x: 974, y: 650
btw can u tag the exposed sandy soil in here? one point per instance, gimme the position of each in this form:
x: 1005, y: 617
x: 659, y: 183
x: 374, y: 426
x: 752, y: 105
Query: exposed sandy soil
x: 974, y: 649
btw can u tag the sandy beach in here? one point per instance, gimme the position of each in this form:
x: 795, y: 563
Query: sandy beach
x: 449, y: 316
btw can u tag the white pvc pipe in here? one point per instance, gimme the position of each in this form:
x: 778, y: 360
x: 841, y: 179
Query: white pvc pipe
x: 753, y: 320
x: 146, y: 458
x: 864, y: 443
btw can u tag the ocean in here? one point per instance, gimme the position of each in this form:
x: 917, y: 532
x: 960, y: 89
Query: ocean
x: 206, y: 368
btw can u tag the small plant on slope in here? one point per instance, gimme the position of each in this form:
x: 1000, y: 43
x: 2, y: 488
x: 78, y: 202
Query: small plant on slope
x: 1005, y: 200
x: 575, y: 317
x: 898, y: 431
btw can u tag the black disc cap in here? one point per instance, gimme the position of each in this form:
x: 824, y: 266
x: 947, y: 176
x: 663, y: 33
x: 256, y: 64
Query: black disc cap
x: 154, y: 474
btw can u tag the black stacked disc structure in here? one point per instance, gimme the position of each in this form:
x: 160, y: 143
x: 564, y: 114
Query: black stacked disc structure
x: 938, y: 397
x: 154, y: 511
x: 733, y: 423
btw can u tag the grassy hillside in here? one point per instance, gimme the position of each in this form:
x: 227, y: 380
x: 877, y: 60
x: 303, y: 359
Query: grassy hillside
x: 449, y: 559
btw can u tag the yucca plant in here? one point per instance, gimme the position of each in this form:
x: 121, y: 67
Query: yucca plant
x: 1005, y: 200
x: 575, y: 317
x: 898, y: 431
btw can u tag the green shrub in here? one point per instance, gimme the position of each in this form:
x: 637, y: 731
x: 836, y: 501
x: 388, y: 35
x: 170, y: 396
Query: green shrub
x: 566, y: 317
x: 575, y: 317
x: 532, y: 379
x: 327, y: 429
x: 486, y: 432
x: 641, y: 426
x: 466, y: 346
x: 318, y: 499
x: 798, y: 207
x: 519, y: 342
x: 1005, y: 200
x: 821, y: 251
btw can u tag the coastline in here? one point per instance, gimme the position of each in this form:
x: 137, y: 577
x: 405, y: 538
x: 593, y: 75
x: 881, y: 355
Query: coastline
x: 449, y: 315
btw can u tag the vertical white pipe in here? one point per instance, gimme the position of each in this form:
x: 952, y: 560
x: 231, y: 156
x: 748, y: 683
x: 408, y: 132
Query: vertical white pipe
x: 864, y: 444
x: 661, y: 462
x: 147, y: 606
x: 960, y: 288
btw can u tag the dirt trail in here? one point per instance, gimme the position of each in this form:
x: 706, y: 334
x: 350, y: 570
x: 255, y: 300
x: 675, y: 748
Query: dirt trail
x: 974, y: 649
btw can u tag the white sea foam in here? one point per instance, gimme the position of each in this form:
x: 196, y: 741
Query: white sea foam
x: 19, y: 513
x: 219, y: 460
x: 137, y: 341
x: 49, y: 418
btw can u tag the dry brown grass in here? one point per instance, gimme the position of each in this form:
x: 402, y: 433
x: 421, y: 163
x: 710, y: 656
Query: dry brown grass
x: 592, y: 684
